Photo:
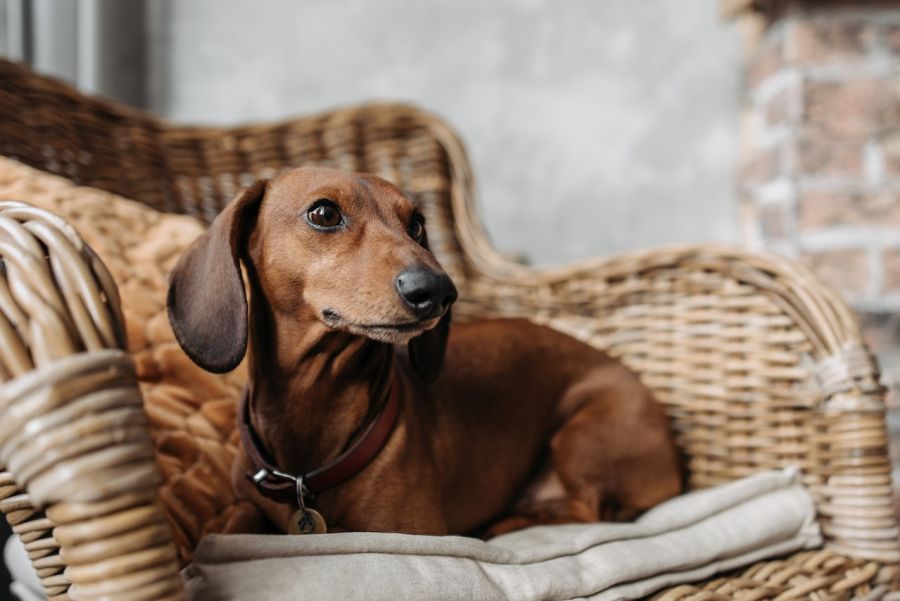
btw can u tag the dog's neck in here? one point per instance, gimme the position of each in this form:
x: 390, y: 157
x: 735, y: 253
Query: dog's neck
x: 313, y: 389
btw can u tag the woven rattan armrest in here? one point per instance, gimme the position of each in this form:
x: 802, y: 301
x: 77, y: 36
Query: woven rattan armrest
x: 759, y: 365
x: 73, y: 433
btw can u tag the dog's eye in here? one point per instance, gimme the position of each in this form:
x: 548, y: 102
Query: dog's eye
x: 416, y: 229
x: 324, y: 214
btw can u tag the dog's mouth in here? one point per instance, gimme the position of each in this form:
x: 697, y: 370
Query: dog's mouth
x: 393, y: 333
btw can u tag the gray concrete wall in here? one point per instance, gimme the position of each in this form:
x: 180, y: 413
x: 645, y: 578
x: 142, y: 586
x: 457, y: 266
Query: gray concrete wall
x: 594, y: 126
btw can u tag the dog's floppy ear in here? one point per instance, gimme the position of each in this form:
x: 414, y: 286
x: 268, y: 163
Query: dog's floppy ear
x: 426, y: 351
x: 207, y: 304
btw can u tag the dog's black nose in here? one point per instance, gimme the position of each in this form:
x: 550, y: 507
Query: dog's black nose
x: 425, y: 291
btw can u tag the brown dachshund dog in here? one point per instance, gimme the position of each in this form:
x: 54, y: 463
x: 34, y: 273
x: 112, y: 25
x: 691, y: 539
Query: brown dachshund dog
x: 495, y: 425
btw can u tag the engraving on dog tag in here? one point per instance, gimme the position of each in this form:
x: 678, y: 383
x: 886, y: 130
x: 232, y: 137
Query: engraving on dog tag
x: 307, y: 521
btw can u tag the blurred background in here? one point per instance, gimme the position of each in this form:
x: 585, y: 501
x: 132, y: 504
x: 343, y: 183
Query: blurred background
x: 593, y: 127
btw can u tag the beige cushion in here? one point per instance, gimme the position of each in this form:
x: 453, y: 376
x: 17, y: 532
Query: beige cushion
x: 686, y: 539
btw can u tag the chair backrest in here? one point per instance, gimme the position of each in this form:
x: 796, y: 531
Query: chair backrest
x: 197, y: 170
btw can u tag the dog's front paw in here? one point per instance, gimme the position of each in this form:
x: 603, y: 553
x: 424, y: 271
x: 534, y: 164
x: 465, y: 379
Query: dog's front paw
x: 510, y: 524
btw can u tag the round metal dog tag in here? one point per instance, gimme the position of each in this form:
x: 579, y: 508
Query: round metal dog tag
x: 307, y: 521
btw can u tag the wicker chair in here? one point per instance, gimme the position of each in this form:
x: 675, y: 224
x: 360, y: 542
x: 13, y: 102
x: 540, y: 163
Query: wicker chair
x: 758, y: 364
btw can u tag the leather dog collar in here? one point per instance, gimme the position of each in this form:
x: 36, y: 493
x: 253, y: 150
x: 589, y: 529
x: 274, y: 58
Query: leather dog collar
x: 287, y: 488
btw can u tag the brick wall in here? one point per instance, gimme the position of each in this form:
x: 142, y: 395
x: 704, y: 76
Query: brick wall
x: 820, y: 157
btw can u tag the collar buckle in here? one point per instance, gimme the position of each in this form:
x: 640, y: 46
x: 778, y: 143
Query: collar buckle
x: 300, y: 489
x: 259, y: 476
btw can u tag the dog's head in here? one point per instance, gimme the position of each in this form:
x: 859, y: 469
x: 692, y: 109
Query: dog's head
x: 349, y: 250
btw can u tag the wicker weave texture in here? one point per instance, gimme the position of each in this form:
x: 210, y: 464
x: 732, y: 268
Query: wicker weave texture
x: 196, y: 171
x: 758, y: 364
x: 73, y: 432
x: 190, y: 411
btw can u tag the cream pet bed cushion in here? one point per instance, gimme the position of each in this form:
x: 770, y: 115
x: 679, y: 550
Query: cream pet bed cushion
x: 686, y: 539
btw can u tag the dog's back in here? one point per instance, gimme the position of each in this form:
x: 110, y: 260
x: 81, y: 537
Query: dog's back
x: 545, y: 409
